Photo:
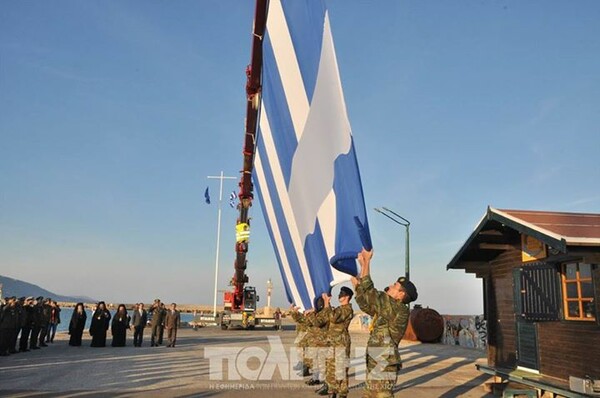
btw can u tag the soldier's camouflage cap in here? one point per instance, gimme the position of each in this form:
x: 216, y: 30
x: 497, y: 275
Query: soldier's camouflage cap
x: 409, y: 288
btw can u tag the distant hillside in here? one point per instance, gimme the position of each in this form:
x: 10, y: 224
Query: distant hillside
x: 15, y: 287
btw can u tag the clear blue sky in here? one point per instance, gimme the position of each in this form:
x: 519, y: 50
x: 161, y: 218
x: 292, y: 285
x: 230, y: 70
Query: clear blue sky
x: 113, y: 113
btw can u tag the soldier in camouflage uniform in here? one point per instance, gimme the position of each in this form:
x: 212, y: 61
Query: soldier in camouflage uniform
x: 390, y: 311
x: 338, y: 353
x: 316, y: 340
x: 300, y: 341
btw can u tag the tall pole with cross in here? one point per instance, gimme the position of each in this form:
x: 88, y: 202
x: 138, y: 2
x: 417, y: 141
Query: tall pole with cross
x: 220, y: 178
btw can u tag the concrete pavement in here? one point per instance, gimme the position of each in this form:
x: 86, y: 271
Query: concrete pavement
x: 211, y: 362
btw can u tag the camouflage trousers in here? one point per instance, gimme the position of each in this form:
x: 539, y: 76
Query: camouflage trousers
x: 382, y: 374
x: 315, y: 358
x: 300, y: 344
x: 336, y: 364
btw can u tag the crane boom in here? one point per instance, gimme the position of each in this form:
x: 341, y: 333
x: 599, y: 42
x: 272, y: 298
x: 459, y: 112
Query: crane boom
x: 253, y: 99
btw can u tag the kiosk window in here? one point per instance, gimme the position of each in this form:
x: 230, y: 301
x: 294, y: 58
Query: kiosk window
x: 578, y: 292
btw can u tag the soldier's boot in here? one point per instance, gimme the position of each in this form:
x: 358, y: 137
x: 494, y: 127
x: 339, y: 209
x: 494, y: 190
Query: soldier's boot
x: 323, y: 390
x: 305, y: 371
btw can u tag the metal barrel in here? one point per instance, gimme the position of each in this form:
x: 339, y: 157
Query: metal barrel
x: 428, y: 324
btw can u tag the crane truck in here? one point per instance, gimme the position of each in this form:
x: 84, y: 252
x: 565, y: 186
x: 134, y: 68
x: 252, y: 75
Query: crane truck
x: 240, y: 302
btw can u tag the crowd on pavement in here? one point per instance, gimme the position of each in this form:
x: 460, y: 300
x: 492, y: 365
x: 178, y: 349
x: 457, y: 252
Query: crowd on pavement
x: 30, y: 323
x: 323, y: 340
x: 27, y: 324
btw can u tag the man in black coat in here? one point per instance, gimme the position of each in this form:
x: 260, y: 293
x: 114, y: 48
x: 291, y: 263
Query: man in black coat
x: 19, y: 324
x: 26, y: 321
x: 172, y: 321
x: 36, y: 323
x: 138, y: 321
x: 8, y: 326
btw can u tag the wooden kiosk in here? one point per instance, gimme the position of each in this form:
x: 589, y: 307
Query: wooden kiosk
x: 541, y: 285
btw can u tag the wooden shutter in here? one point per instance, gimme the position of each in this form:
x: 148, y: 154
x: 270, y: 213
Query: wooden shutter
x: 527, y: 346
x: 540, y: 292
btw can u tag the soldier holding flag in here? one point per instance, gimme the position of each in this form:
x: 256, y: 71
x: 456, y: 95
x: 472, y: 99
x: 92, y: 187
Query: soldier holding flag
x: 390, y: 311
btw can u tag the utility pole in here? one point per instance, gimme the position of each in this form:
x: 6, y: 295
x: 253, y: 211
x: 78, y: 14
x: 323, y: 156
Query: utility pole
x: 221, y: 178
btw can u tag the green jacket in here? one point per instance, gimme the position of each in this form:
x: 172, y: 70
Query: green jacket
x: 302, y: 328
x: 317, y: 333
x: 300, y: 319
x: 339, y: 320
x: 390, y: 316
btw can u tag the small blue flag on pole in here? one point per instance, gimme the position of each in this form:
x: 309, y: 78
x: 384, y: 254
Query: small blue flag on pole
x: 232, y: 197
x: 207, y: 196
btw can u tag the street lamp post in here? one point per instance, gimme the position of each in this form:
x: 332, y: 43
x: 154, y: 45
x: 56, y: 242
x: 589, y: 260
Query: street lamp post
x: 221, y: 178
x: 398, y: 219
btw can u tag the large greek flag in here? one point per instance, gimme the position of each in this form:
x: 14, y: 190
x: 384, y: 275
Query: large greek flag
x: 306, y: 172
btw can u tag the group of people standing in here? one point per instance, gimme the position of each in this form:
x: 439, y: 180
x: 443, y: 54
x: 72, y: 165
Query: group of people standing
x: 158, y: 318
x: 324, y: 342
x: 323, y: 339
x: 27, y: 324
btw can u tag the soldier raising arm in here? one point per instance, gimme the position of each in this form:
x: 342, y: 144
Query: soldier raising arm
x: 390, y: 313
x: 301, y: 341
x: 338, y: 355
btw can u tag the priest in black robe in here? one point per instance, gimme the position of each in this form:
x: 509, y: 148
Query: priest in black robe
x: 119, y: 326
x: 99, y: 326
x: 77, y: 325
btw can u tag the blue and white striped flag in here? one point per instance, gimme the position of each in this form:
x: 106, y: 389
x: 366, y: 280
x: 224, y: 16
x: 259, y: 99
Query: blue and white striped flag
x: 306, y: 171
